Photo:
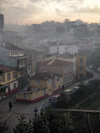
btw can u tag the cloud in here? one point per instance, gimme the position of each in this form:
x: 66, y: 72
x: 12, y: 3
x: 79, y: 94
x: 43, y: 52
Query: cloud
x: 39, y: 10
x: 94, y: 10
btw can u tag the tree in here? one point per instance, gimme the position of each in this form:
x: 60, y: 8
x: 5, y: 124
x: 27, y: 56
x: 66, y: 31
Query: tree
x: 48, y: 122
x: 64, y: 101
x: 23, y: 126
x: 3, y: 127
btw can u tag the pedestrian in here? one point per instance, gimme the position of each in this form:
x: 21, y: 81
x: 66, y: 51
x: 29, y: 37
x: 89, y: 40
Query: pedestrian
x: 10, y: 105
x: 35, y: 111
x: 63, y: 87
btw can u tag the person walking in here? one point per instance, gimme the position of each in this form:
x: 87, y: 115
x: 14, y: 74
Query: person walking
x: 10, y: 105
x: 63, y: 88
x: 35, y: 111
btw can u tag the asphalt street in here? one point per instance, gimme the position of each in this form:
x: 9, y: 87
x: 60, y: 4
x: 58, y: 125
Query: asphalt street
x: 10, y: 117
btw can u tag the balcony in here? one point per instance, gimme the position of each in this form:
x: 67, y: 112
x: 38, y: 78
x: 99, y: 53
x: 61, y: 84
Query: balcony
x: 22, y: 57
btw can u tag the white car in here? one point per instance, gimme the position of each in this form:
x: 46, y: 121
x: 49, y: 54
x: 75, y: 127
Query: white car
x: 76, y: 88
x: 91, y: 66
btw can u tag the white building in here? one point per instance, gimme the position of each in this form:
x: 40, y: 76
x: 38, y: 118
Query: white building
x: 63, y: 49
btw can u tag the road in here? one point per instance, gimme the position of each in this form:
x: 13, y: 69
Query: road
x: 10, y: 117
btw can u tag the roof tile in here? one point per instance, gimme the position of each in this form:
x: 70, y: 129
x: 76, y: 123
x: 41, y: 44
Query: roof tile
x: 6, y: 68
x: 55, y: 62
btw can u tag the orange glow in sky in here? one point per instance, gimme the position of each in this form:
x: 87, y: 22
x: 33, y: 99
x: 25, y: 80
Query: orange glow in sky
x: 37, y: 11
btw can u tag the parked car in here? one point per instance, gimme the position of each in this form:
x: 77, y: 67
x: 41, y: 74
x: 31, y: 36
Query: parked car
x: 91, y: 66
x: 90, y: 81
x: 76, y: 88
x: 54, y: 98
x: 98, y: 69
x: 69, y: 91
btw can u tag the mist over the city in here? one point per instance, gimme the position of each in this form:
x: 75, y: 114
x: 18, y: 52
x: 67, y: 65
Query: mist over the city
x: 49, y: 66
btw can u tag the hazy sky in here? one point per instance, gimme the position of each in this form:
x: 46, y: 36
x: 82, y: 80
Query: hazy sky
x: 37, y: 11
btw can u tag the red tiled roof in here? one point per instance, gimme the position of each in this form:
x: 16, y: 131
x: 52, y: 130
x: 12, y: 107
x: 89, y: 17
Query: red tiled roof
x: 6, y: 68
x: 56, y: 62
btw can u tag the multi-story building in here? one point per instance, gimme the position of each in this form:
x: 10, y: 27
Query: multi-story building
x: 1, y: 27
x: 48, y: 81
x: 42, y: 85
x: 61, y: 67
x: 13, y: 56
x: 69, y: 59
x: 62, y: 48
x: 9, y: 82
x: 85, y: 44
x: 80, y: 64
x: 1, y: 22
x: 96, y: 42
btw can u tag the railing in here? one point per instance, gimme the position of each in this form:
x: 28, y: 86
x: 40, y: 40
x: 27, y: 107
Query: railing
x: 43, y: 106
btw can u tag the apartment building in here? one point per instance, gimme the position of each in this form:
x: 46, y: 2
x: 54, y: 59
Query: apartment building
x: 13, y: 56
x: 9, y: 82
x: 80, y: 64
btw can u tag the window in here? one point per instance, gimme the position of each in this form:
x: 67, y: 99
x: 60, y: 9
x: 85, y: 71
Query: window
x: 71, y: 78
x: 3, y: 78
x: 81, y: 75
x: 49, y: 81
x: 57, y: 48
x: 11, y: 53
x: 81, y: 68
x: 14, y: 85
x: 37, y: 82
x: 65, y: 80
x: 82, y: 42
x: 71, y: 69
x: 58, y: 79
x: 15, y: 52
x: 66, y: 48
x: 81, y: 60
x: 65, y: 70
x: 14, y: 74
x: 8, y: 76
x: 86, y: 42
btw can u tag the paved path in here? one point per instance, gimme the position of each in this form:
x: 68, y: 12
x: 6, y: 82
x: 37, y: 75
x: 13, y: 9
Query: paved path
x: 79, y: 110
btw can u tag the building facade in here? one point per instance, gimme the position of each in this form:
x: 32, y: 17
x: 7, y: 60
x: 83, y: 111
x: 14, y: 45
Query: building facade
x: 9, y: 82
x: 42, y: 85
x: 61, y: 67
x: 64, y: 49
x: 14, y: 57
x: 86, y: 44
x: 80, y: 65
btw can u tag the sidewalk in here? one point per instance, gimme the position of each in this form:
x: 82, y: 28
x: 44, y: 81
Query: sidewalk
x: 10, y: 117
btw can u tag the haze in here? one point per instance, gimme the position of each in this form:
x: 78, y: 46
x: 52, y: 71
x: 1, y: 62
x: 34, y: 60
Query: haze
x: 37, y: 11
